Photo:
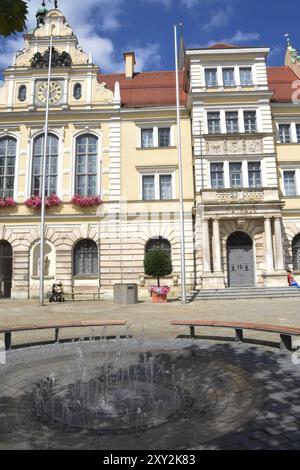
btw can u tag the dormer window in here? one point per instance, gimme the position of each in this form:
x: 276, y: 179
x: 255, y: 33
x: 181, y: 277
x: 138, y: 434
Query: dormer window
x: 22, y: 93
x: 77, y: 91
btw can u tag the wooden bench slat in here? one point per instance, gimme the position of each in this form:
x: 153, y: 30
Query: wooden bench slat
x: 285, y: 332
x: 46, y: 326
x: 245, y: 326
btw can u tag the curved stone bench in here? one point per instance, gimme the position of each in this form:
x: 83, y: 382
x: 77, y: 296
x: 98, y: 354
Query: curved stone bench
x: 8, y: 331
x: 286, y: 332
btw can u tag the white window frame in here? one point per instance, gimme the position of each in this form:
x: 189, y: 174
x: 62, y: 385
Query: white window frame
x: 297, y: 180
x: 217, y: 76
x: 245, y: 174
x: 252, y: 74
x: 155, y: 128
x: 209, y: 175
x: 278, y: 124
x: 229, y: 67
x: 99, y: 159
x: 59, y: 187
x: 156, y: 174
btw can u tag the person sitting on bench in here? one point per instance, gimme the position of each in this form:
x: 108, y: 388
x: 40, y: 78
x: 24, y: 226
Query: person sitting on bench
x: 291, y: 280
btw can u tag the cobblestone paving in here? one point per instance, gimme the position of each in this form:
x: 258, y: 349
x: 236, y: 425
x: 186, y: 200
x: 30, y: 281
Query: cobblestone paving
x: 276, y: 424
x: 152, y: 321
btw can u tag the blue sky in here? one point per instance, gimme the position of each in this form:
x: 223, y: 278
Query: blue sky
x: 107, y: 28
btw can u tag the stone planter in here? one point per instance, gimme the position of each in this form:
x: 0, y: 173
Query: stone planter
x: 159, y: 298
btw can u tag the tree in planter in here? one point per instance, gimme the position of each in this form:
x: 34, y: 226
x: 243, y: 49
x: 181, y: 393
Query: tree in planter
x: 157, y: 264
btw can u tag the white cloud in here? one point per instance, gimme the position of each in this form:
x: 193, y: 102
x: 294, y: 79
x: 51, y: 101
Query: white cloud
x: 86, y: 17
x: 239, y: 37
x: 148, y: 56
x: 8, y: 49
x: 219, y: 18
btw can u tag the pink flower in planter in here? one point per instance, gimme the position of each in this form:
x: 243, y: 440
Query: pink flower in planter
x: 164, y: 290
x: 35, y: 202
x: 86, y: 201
x: 7, y: 202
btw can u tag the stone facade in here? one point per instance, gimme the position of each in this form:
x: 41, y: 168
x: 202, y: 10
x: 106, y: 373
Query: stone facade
x: 240, y: 226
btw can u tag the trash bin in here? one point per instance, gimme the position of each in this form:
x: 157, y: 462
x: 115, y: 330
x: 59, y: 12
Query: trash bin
x: 126, y: 294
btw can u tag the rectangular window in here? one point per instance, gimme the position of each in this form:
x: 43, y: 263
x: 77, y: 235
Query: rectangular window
x: 246, y: 76
x: 254, y: 174
x: 211, y: 77
x: 232, y: 122
x: 147, y: 138
x: 289, y: 183
x: 213, y: 123
x: 164, y: 134
x: 298, y: 132
x: 228, y: 77
x: 165, y: 187
x: 148, y: 187
x: 217, y: 175
x: 250, y: 121
x: 235, y: 175
x: 284, y: 133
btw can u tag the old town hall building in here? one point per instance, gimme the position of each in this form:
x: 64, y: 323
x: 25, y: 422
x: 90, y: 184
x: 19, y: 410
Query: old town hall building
x: 112, y: 179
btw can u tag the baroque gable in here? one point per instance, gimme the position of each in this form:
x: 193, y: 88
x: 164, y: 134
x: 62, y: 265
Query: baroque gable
x: 64, y: 40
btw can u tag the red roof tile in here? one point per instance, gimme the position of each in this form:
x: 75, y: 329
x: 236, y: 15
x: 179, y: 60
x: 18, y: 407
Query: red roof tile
x: 280, y: 81
x: 147, y: 89
x: 222, y: 45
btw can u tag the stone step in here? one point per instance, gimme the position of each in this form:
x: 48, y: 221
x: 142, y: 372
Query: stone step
x: 246, y: 293
x: 243, y: 293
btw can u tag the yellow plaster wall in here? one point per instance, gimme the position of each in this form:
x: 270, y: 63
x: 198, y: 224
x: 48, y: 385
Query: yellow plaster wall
x: 133, y: 158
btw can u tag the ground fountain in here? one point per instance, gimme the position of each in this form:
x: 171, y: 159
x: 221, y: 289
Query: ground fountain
x: 138, y: 394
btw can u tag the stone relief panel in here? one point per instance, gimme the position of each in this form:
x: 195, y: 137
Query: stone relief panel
x: 240, y: 195
x: 234, y: 146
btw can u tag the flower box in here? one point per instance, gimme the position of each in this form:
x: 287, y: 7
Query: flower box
x: 86, y: 201
x: 35, y: 202
x: 159, y: 295
x: 7, y: 202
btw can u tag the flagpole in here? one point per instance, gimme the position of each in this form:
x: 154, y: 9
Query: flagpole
x: 182, y: 233
x: 43, y: 187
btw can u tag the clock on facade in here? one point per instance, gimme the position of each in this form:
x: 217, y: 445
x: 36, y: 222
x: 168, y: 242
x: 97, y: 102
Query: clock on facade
x: 55, y: 92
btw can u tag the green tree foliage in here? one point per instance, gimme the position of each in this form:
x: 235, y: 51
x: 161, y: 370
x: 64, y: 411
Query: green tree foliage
x: 157, y: 264
x: 13, y: 14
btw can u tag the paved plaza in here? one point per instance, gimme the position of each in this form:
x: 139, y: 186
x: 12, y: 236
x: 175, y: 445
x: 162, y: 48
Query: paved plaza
x: 151, y: 321
x: 232, y: 396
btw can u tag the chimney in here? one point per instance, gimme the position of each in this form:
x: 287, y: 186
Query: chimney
x: 129, y: 64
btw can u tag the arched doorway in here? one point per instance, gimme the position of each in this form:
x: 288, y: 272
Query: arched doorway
x: 6, y: 264
x: 240, y: 260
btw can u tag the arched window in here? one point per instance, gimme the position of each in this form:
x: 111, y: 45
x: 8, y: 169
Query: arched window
x: 159, y: 242
x: 22, y: 93
x: 296, y: 252
x: 77, y: 91
x: 51, y: 165
x: 8, y: 149
x: 85, y: 258
x: 86, y: 165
